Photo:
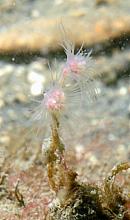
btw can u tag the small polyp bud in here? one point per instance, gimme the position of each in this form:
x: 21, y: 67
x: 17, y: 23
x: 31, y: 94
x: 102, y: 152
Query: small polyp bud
x: 78, y: 63
x: 74, y: 66
x: 66, y: 71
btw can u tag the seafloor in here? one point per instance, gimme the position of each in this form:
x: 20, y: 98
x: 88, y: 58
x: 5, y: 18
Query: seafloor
x: 95, y: 141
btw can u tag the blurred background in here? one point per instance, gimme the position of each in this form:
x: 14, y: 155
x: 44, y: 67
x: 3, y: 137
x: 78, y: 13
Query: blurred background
x: 29, y: 38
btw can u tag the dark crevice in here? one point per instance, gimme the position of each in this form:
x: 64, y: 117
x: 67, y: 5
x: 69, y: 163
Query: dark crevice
x: 105, y: 48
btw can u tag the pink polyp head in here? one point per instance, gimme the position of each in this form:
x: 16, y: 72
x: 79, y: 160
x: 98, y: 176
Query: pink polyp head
x: 76, y: 64
x: 54, y: 100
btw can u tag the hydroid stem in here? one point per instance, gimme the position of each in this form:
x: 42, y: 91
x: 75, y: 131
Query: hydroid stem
x: 60, y: 177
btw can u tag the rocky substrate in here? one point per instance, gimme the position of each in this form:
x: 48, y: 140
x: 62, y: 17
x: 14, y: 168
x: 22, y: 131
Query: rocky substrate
x: 34, y: 25
x: 97, y: 140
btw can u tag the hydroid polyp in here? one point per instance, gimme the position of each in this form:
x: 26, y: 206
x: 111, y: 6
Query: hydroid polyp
x: 79, y: 67
x: 54, y: 99
x: 65, y: 92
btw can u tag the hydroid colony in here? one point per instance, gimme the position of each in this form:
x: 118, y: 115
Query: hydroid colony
x: 69, y: 89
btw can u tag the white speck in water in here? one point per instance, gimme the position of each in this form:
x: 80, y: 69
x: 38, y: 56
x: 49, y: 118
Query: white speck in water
x: 35, y: 13
x: 33, y: 76
x: 123, y: 91
x: 36, y: 88
x: 13, y: 59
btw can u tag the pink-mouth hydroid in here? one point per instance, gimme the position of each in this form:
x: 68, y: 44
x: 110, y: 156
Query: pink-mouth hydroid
x: 60, y: 98
x: 79, y: 68
x: 68, y: 90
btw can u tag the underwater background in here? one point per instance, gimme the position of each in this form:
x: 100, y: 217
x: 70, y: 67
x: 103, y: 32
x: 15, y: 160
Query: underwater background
x: 30, y: 38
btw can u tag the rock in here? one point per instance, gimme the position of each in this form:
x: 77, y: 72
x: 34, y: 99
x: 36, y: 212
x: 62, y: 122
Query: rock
x: 40, y: 33
x: 81, y: 204
x: 114, y: 67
